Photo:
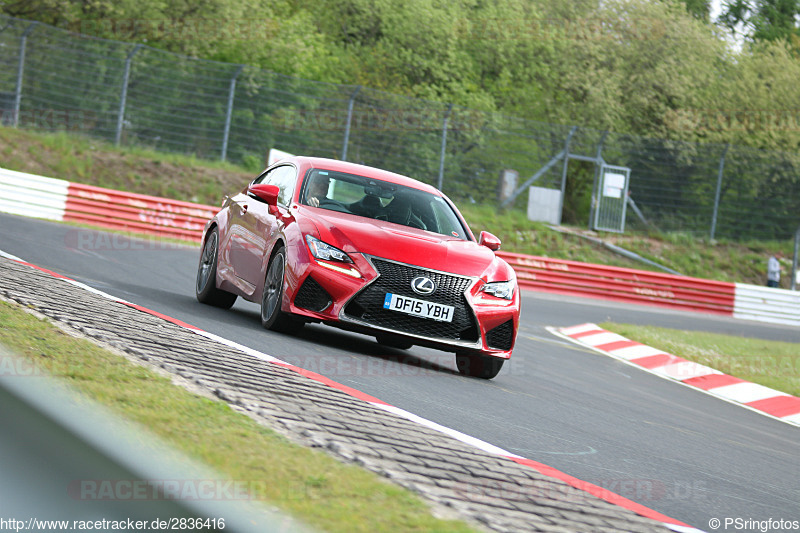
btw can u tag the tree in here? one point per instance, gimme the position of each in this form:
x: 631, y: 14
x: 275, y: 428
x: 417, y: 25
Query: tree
x: 762, y: 20
x: 699, y: 9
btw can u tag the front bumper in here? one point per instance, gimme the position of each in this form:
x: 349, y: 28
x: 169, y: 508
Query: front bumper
x: 339, y: 297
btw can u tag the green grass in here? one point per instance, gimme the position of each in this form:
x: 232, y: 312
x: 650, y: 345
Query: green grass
x: 81, y: 148
x: 770, y: 363
x: 309, y: 485
x: 133, y: 169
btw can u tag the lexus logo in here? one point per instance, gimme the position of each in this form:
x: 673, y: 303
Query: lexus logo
x: 423, y: 285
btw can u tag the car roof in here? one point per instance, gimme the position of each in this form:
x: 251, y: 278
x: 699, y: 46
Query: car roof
x: 363, y: 170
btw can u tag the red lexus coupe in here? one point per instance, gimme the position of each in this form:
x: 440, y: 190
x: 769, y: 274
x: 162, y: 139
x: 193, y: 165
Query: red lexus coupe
x: 318, y: 240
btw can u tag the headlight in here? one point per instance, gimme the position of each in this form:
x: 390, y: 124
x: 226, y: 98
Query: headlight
x: 500, y: 289
x: 325, y: 251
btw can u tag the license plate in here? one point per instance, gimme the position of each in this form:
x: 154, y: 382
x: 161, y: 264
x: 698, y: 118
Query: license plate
x: 420, y: 308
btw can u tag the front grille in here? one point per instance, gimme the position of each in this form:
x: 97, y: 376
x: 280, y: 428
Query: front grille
x: 396, y: 278
x: 312, y: 296
x: 501, y: 337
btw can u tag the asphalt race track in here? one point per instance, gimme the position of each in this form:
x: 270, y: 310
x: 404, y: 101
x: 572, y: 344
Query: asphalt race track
x: 663, y: 445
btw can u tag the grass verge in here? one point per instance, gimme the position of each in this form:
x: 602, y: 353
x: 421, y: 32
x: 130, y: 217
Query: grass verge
x: 309, y: 485
x: 773, y: 364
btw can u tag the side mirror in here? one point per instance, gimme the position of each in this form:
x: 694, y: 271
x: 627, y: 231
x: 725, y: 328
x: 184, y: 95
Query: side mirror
x: 265, y: 192
x: 490, y: 241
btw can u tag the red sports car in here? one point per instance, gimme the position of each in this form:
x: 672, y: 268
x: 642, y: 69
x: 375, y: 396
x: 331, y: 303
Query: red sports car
x: 318, y: 240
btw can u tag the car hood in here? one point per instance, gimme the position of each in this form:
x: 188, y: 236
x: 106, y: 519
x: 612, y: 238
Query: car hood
x: 353, y: 234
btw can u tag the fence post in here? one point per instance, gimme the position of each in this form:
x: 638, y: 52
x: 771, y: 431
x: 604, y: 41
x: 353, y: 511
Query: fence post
x: 598, y: 162
x: 719, y: 189
x: 564, y: 172
x: 440, y: 181
x: 347, y: 125
x: 23, y: 43
x: 124, y: 93
x: 228, y: 112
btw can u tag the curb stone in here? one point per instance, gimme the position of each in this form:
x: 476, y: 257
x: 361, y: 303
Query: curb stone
x: 461, y: 481
x: 758, y: 398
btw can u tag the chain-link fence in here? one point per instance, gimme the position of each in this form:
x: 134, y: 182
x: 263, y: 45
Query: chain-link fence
x: 52, y: 79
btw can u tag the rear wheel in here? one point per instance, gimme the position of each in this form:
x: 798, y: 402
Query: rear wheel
x: 205, y: 288
x: 478, y: 366
x: 272, y: 317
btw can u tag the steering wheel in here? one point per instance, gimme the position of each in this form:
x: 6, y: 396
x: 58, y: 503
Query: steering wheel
x: 333, y: 205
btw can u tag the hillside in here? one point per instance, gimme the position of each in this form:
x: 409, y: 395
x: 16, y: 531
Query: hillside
x: 186, y: 178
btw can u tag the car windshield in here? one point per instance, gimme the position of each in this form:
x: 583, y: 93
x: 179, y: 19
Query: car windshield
x: 380, y: 200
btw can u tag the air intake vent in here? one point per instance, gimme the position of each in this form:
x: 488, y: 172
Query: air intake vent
x: 312, y: 296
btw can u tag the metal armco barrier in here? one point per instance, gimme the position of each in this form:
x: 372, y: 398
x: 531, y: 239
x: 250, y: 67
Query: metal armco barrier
x: 622, y: 284
x: 40, y: 197
x: 32, y: 196
x: 766, y: 304
x: 54, y: 199
x: 136, y: 212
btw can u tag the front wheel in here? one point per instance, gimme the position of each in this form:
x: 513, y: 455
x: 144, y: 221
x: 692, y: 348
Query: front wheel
x: 478, y: 366
x: 272, y: 317
x: 205, y: 288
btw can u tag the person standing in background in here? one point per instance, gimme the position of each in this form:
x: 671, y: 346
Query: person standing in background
x: 774, y: 270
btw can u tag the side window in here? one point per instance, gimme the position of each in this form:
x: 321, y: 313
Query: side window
x: 261, y: 178
x: 284, y: 177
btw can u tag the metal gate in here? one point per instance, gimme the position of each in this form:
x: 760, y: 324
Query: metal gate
x: 612, y: 199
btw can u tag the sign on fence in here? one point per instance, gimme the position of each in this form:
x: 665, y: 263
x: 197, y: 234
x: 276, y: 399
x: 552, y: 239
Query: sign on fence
x: 544, y: 205
x: 612, y: 200
x: 276, y: 155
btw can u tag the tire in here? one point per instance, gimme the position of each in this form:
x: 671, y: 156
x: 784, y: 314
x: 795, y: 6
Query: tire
x: 478, y: 366
x: 205, y: 287
x: 272, y: 317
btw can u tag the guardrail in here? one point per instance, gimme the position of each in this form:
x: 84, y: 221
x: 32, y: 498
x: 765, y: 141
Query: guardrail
x: 32, y: 196
x: 766, y: 304
x: 40, y: 197
x: 54, y: 199
x: 747, y: 302
x: 622, y: 284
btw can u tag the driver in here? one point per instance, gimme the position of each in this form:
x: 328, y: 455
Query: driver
x: 317, y: 190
